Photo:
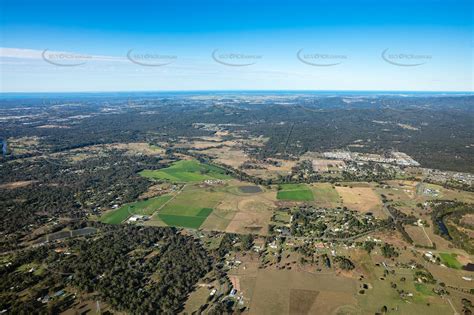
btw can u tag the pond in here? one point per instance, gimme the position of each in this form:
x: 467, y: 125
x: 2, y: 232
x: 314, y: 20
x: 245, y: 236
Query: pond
x: 250, y: 189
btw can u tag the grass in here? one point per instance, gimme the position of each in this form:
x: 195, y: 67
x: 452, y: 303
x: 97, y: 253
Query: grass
x: 450, y: 260
x: 190, y: 208
x: 193, y: 222
x: 186, y: 171
x: 295, y: 192
x: 326, y: 195
x: 423, y: 289
x: 145, y: 207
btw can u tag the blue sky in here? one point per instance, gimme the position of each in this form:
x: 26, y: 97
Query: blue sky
x: 57, y: 46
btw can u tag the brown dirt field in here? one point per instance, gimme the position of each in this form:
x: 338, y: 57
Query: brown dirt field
x: 417, y: 234
x: 468, y: 219
x: 301, y: 301
x: 362, y: 199
x: 392, y: 237
x: 253, y: 216
x: 238, y: 212
x: 235, y: 282
x: 17, y: 184
x: 138, y: 147
x: 285, y: 166
x: 273, y: 292
x: 463, y: 259
x: 233, y: 157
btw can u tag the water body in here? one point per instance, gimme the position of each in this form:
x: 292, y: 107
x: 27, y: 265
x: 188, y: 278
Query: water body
x: 442, y: 228
x: 250, y: 189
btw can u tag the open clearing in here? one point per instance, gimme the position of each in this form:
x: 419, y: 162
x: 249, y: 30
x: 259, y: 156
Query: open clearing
x: 295, y: 192
x: 190, y: 208
x: 324, y: 165
x: 450, y: 260
x: 186, y: 221
x: 253, y: 215
x: 362, y: 199
x: 145, y: 207
x: 186, y: 171
x: 294, y: 292
x: 419, y: 237
x: 17, y: 184
x: 325, y: 195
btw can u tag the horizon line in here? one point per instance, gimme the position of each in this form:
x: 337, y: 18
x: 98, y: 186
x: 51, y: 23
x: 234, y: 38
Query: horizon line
x: 230, y: 90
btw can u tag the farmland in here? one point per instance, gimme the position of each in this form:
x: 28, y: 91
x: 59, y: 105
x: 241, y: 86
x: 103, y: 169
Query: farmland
x: 190, y: 207
x: 188, y: 221
x: 325, y: 195
x: 450, y: 260
x: 144, y: 207
x: 362, y: 199
x: 295, y: 192
x: 186, y: 171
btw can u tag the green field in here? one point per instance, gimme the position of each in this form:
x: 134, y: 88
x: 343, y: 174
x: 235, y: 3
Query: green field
x: 423, y: 289
x: 295, y: 192
x: 186, y: 221
x: 450, y: 260
x: 325, y: 195
x: 190, y: 208
x: 186, y: 171
x: 146, y: 207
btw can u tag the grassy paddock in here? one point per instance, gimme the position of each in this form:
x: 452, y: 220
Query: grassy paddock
x: 450, y: 260
x: 295, y: 192
x: 193, y: 222
x: 145, y: 207
x: 186, y: 171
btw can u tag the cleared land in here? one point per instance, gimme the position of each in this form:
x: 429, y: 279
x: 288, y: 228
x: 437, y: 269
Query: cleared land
x: 295, y: 192
x: 419, y: 237
x: 185, y: 171
x: 190, y: 208
x: 325, y: 195
x: 362, y: 199
x: 253, y: 214
x: 145, y: 207
x: 186, y: 221
x: 293, y: 292
x: 450, y: 260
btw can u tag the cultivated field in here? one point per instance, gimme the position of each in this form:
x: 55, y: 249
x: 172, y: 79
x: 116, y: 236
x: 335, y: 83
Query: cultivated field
x: 190, y: 207
x: 186, y: 171
x: 294, y: 192
x: 294, y: 292
x: 145, y: 207
x: 325, y: 195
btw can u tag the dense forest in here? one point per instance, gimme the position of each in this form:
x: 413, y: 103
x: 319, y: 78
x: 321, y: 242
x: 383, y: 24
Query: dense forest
x: 135, y: 269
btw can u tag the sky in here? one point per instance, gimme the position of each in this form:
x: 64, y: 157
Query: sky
x: 124, y: 45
